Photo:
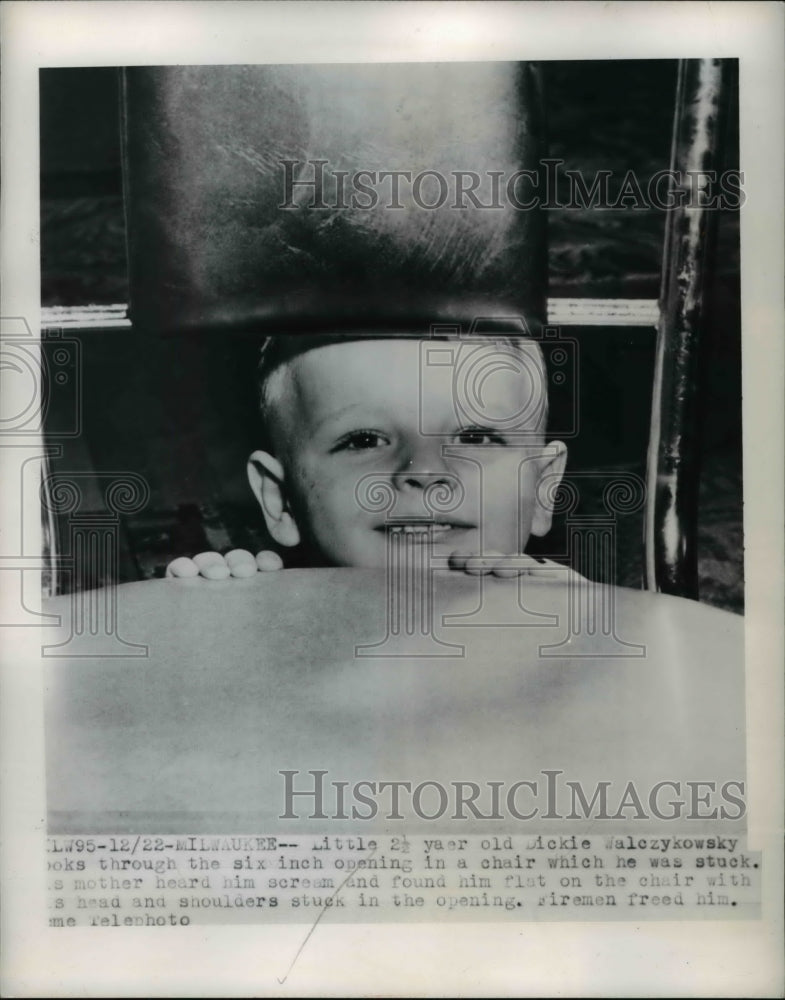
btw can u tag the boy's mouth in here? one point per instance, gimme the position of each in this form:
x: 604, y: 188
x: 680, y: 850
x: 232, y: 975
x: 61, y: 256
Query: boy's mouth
x: 423, y: 531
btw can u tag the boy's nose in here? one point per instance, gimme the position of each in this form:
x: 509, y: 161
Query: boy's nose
x: 426, y: 492
x: 421, y: 480
x: 423, y: 468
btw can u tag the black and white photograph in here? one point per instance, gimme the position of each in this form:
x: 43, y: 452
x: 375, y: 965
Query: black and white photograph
x: 387, y: 438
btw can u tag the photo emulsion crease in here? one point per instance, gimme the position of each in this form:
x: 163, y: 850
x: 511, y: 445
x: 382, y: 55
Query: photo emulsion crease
x: 391, y: 493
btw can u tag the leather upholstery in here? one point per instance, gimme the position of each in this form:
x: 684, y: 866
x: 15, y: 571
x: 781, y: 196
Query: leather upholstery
x: 210, y: 246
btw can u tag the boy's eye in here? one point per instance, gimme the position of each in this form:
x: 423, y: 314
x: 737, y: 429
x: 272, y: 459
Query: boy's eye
x: 479, y: 436
x: 361, y: 441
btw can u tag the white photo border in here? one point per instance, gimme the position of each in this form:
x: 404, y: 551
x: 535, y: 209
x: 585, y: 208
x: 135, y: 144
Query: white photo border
x: 664, y: 959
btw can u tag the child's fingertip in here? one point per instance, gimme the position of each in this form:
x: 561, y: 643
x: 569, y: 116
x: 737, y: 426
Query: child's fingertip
x: 242, y: 570
x: 238, y: 556
x: 216, y: 571
x: 240, y: 562
x: 504, y: 565
x: 268, y: 561
x: 182, y: 569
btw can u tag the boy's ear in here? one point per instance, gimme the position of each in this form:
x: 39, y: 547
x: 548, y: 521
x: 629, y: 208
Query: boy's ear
x: 551, y: 471
x: 266, y: 476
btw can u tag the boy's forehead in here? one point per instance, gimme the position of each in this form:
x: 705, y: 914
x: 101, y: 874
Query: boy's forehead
x: 364, y: 358
x: 483, y: 377
x: 282, y: 349
x: 341, y: 372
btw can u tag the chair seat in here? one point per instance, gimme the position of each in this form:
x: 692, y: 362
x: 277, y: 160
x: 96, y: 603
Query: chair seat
x: 244, y: 679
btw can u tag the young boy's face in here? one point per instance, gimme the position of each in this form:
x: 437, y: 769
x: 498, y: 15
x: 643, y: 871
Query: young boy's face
x: 343, y: 412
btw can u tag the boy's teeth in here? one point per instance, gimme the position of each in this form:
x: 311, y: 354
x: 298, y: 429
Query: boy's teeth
x: 411, y: 528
